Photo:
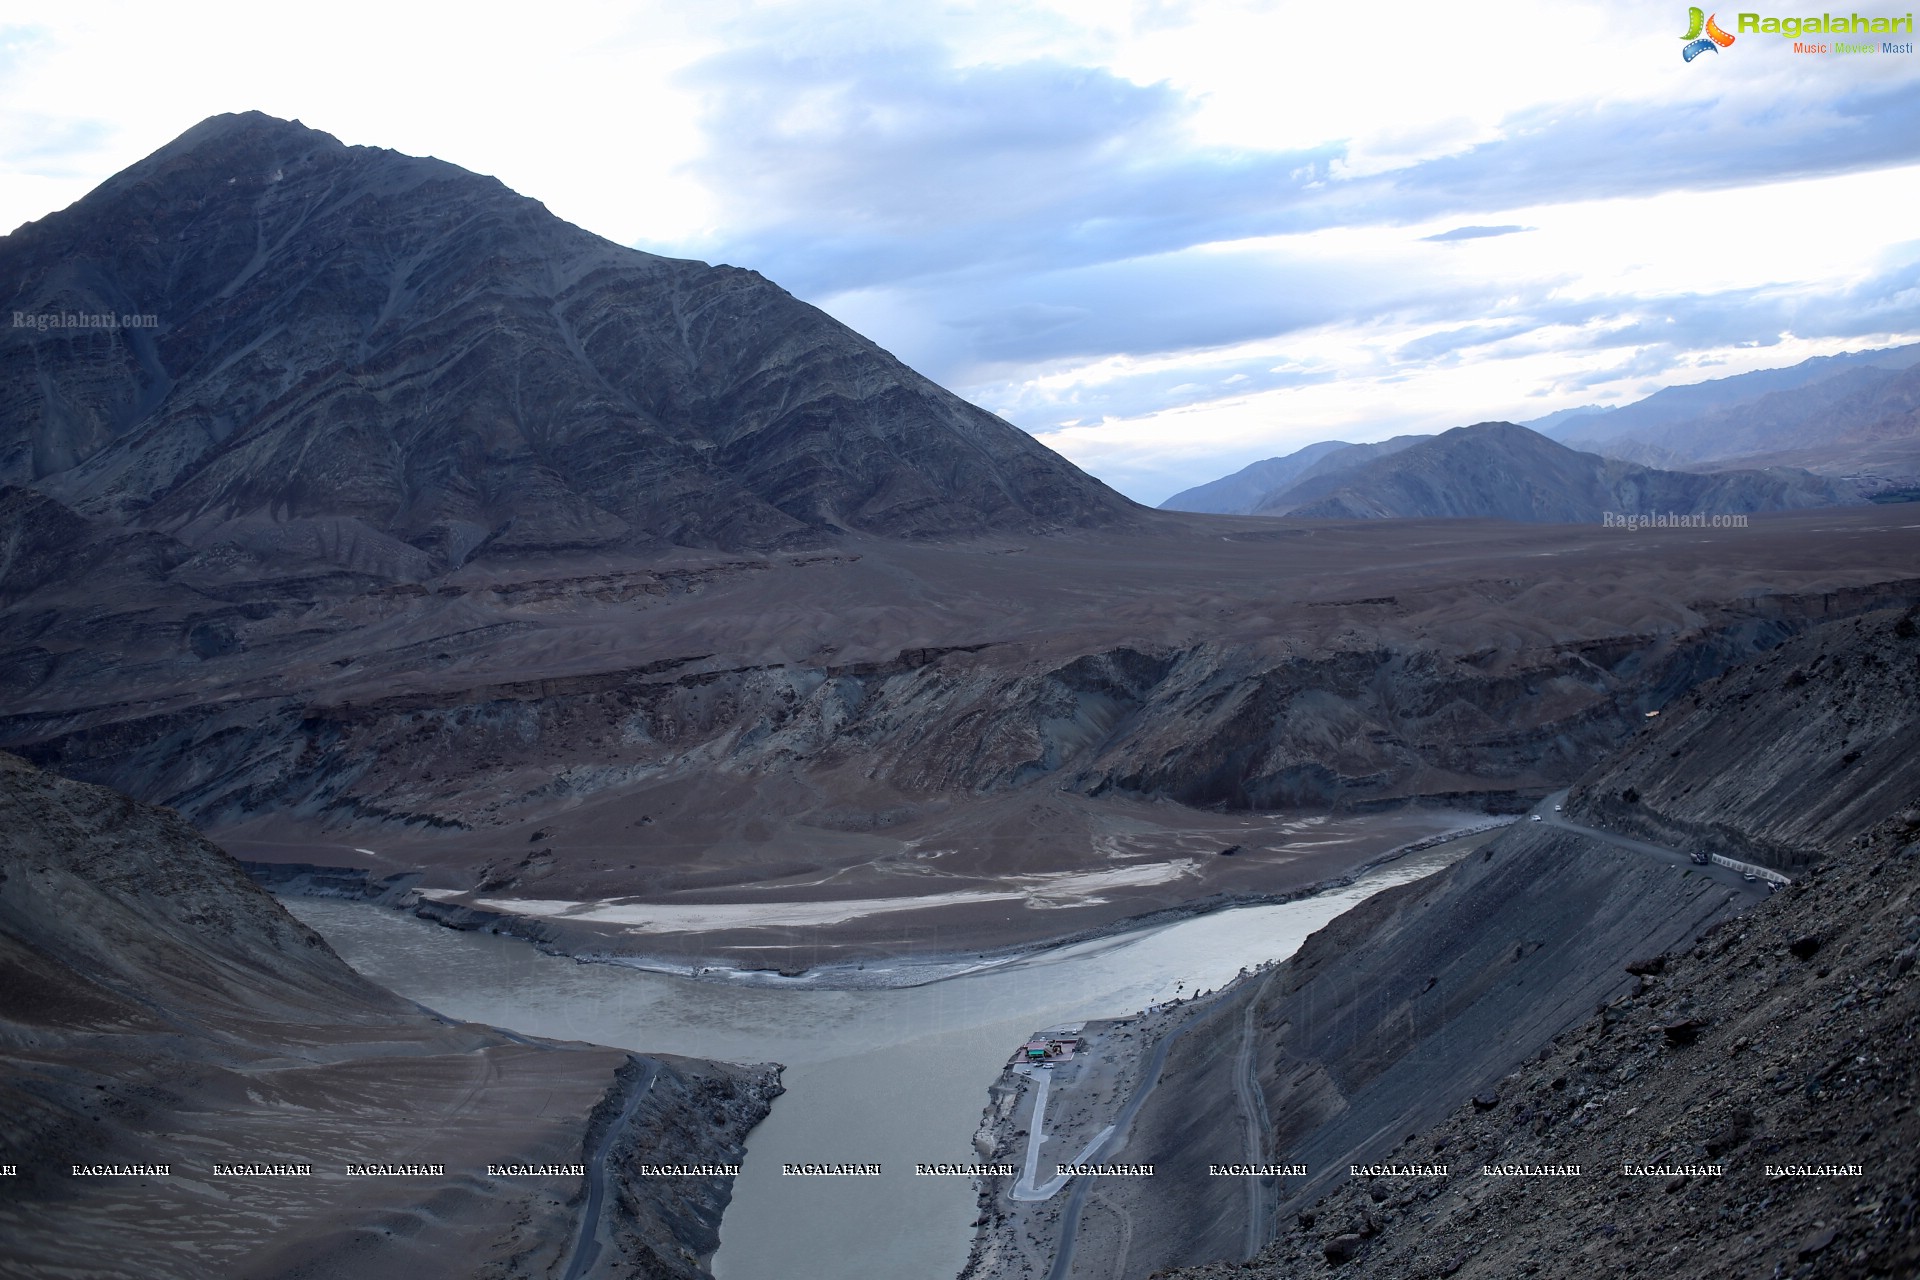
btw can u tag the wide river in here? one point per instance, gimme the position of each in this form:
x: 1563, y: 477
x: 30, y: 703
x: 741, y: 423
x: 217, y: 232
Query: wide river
x: 890, y: 1076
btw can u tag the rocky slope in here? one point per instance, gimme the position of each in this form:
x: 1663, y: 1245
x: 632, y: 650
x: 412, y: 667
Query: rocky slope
x: 1507, y: 472
x: 389, y: 364
x: 1805, y: 1015
x: 1777, y: 761
x: 1380, y: 1025
x: 156, y: 1008
x: 1431, y: 1000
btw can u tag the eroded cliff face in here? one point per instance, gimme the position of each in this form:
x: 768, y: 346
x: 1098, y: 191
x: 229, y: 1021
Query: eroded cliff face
x: 697, y: 1114
x: 1778, y: 760
x: 1210, y: 725
x: 157, y: 1008
x: 709, y: 714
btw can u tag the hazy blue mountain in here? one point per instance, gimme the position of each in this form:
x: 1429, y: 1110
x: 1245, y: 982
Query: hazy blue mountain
x: 1864, y: 419
x: 1240, y: 492
x: 1545, y: 426
x: 1243, y: 492
x: 1672, y: 405
x: 1505, y: 471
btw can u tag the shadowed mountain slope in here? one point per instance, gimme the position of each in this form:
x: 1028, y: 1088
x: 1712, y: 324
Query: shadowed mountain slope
x: 391, y: 363
x: 159, y: 1009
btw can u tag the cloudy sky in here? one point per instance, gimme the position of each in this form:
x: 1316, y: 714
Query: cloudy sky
x: 1168, y: 239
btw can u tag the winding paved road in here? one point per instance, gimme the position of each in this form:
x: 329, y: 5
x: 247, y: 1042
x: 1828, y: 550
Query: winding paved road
x: 1024, y: 1189
x: 1149, y: 1080
x: 1550, y: 816
x: 1253, y: 1111
x: 586, y: 1246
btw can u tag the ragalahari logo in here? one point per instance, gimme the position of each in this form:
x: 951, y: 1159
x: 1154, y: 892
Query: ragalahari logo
x: 1698, y: 20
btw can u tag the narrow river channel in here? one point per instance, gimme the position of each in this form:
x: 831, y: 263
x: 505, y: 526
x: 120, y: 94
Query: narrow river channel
x: 890, y: 1076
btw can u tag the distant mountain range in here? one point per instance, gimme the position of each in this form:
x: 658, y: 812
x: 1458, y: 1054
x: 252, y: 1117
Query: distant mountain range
x: 1503, y: 471
x: 1828, y: 431
x: 1862, y: 419
x: 1243, y: 492
x: 362, y: 357
x: 1688, y: 405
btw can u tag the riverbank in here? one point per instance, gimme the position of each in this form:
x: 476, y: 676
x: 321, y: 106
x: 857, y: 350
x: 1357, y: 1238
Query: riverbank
x: 245, y: 1103
x: 890, y: 1077
x: 1088, y: 1100
x: 910, y: 967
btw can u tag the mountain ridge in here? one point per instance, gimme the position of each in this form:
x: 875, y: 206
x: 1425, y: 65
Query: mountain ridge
x: 1687, y: 401
x: 1859, y: 416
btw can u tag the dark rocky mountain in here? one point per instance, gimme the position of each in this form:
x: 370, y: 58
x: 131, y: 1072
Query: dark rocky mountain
x: 1506, y: 472
x: 1246, y: 491
x: 1452, y: 1021
x: 392, y: 364
x: 158, y: 1008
